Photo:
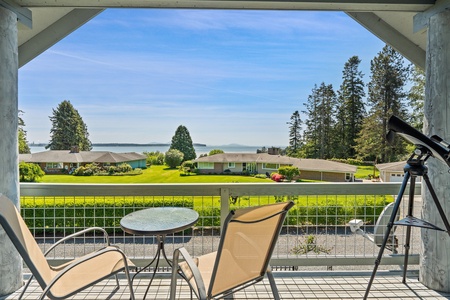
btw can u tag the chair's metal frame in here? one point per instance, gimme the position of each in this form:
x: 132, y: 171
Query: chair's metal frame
x: 36, y: 274
x: 202, y: 292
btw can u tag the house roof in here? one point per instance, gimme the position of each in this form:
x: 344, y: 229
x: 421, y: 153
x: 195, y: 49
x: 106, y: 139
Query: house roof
x: 303, y: 163
x: 392, y: 167
x: 323, y: 165
x: 67, y: 156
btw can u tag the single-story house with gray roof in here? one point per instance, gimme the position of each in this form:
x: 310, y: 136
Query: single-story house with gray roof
x: 393, y: 172
x: 263, y: 163
x: 59, y: 161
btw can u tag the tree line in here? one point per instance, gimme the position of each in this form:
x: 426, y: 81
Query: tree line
x: 342, y: 124
x: 348, y: 123
x: 69, y: 130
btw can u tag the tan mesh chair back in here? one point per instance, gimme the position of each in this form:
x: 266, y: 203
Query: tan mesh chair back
x: 60, y: 282
x: 23, y: 240
x: 247, y: 243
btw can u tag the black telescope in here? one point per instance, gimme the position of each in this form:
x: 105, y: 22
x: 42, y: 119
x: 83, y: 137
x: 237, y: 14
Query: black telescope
x: 435, y: 146
x: 426, y: 147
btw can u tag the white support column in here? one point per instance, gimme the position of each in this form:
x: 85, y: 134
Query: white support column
x: 10, y: 261
x: 435, y: 256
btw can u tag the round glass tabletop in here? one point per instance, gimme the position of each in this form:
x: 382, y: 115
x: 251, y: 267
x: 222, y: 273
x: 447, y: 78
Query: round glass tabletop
x: 159, y: 220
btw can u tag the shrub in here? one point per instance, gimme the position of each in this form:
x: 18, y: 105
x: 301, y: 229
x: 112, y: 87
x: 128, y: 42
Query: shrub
x: 95, y: 169
x: 29, y: 172
x: 111, y: 170
x: 289, y: 172
x: 215, y: 151
x: 351, y: 161
x: 173, y: 158
x: 262, y: 176
x: 79, y: 171
x: 187, y: 167
x: 124, y: 168
x: 155, y: 158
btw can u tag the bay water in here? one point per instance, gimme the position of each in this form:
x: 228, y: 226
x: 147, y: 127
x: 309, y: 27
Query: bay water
x: 199, y: 149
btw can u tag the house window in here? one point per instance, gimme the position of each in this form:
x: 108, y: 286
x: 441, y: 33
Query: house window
x: 348, y: 177
x: 206, y: 165
x: 231, y: 165
x: 52, y: 165
x: 270, y: 166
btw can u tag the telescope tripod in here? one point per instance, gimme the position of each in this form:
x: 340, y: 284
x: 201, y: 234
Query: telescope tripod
x: 414, y: 167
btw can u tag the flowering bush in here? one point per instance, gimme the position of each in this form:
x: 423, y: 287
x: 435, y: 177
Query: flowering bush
x: 95, y: 169
x: 276, y: 177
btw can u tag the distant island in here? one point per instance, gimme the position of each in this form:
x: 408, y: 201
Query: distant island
x: 122, y: 144
x: 137, y: 145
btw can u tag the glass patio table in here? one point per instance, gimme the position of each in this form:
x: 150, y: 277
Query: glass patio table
x: 158, y: 221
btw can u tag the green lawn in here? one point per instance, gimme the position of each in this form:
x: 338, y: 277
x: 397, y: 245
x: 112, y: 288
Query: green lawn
x: 154, y: 174
x: 363, y: 172
x: 162, y: 174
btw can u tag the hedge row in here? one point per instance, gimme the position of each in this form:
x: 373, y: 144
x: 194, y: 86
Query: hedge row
x: 69, y: 214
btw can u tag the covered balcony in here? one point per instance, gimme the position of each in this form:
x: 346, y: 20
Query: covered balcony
x: 417, y: 29
x: 317, y: 255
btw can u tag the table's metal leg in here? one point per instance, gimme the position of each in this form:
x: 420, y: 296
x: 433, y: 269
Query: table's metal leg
x: 158, y: 256
x: 148, y: 265
x: 164, y: 253
x: 156, y: 259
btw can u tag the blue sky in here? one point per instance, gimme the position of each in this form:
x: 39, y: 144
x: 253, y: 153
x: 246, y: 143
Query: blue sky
x: 228, y: 76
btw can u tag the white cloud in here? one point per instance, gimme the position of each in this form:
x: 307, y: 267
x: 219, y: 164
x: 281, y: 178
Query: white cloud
x: 229, y: 76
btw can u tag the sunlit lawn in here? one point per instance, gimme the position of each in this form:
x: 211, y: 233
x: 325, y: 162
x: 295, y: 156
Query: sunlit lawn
x: 154, y: 174
x: 162, y: 174
x: 363, y: 172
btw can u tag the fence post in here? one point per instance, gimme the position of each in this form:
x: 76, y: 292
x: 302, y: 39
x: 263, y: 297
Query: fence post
x: 224, y: 205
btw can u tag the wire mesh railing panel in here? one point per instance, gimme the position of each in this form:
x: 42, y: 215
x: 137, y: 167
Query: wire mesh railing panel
x: 316, y: 230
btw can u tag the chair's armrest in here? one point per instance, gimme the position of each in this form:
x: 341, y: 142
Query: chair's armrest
x: 201, y: 289
x: 83, y: 260
x: 73, y: 235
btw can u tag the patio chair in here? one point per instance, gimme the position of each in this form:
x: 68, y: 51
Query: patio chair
x: 379, y: 230
x: 60, y: 282
x: 242, y: 259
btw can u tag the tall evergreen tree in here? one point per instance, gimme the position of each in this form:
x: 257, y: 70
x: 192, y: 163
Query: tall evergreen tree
x: 319, y: 132
x: 182, y: 141
x: 295, y: 137
x: 386, y: 95
x: 311, y: 134
x: 350, y: 108
x: 68, y: 129
x: 417, y: 97
x: 23, y: 143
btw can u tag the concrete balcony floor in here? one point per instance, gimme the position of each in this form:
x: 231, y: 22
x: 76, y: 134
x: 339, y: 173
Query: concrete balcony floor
x: 291, y: 285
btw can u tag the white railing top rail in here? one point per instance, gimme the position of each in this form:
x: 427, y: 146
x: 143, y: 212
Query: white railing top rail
x: 212, y: 189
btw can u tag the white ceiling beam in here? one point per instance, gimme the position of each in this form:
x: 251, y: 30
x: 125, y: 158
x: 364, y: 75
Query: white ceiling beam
x: 23, y: 14
x: 54, y: 33
x: 391, y: 36
x: 342, y: 5
x: 421, y: 19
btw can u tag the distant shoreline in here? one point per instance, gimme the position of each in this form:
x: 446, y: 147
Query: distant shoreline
x: 122, y: 145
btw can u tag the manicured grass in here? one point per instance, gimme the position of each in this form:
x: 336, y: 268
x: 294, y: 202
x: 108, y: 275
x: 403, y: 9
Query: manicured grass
x: 162, y: 174
x: 154, y: 174
x: 363, y: 172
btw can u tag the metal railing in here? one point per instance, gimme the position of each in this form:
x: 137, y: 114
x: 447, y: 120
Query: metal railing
x: 315, y: 232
